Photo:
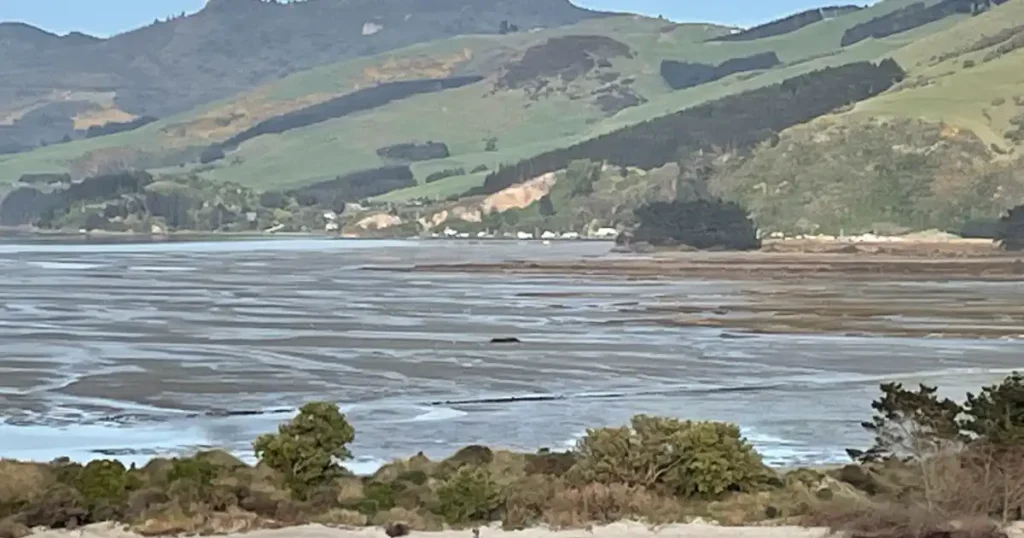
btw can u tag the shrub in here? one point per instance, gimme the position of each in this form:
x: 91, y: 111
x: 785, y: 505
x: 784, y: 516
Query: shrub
x: 550, y: 463
x: 104, y: 487
x: 377, y: 497
x: 705, y: 459
x: 474, y: 455
x: 699, y: 224
x: 446, y: 173
x: 526, y: 500
x: 470, y: 495
x: 60, y: 506
x: 307, y: 449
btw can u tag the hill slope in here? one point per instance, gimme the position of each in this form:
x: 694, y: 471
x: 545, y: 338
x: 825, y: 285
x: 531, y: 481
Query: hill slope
x: 942, y: 149
x: 230, y: 46
x: 542, y: 90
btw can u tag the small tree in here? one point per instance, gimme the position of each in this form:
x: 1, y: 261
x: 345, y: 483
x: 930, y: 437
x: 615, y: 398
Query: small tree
x: 914, y: 426
x: 910, y: 424
x: 308, y: 449
x: 996, y: 414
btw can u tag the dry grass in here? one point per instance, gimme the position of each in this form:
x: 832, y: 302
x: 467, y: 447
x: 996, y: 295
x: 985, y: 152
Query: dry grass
x: 341, y: 517
x: 598, y: 504
x: 21, y: 483
x: 890, y: 520
x: 967, y: 494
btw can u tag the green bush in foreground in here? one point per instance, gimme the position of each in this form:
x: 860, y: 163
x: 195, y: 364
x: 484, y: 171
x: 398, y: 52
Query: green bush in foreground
x: 308, y: 450
x: 656, y: 470
x: 470, y: 495
x: 703, y: 459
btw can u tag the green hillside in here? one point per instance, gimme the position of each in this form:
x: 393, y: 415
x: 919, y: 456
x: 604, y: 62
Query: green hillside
x: 940, y: 150
x: 522, y: 122
x: 968, y: 76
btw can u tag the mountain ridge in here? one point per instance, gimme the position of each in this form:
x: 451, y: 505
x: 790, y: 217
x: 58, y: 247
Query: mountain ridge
x: 227, y: 47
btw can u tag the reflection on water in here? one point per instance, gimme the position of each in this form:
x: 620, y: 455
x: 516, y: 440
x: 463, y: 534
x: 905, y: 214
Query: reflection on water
x: 139, y: 349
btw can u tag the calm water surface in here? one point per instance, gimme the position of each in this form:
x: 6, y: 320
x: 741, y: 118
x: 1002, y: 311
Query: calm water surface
x: 142, y: 349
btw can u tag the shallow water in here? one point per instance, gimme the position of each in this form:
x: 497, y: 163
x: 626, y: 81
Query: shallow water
x: 155, y: 348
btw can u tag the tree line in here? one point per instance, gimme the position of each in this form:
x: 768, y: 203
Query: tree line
x: 682, y: 75
x: 350, y: 103
x: 788, y: 24
x: 913, y: 16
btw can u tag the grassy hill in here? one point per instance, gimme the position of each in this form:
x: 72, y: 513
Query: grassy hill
x: 967, y: 76
x: 937, y: 150
x: 58, y: 86
x: 942, y: 149
x: 523, y: 121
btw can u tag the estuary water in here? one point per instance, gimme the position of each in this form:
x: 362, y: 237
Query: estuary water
x: 133, y: 350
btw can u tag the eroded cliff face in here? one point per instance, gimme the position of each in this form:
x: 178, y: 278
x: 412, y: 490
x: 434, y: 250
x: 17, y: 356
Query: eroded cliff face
x: 515, y: 197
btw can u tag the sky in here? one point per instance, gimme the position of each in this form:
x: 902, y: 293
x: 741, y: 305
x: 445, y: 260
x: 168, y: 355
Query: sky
x: 106, y: 17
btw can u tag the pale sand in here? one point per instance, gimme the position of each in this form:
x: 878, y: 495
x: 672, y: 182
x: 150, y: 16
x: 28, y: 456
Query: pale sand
x: 617, y: 530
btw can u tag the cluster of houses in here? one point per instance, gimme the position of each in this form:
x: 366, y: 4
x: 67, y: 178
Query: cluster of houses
x: 546, y: 235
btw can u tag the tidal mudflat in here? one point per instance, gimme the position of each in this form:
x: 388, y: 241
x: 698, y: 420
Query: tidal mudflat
x: 136, y: 350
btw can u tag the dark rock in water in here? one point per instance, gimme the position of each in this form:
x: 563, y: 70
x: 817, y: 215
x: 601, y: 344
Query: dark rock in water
x: 505, y: 340
x: 397, y: 529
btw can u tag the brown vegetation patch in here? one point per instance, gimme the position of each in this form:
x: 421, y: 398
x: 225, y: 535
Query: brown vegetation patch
x: 242, y: 113
x: 419, y: 66
x: 101, y: 116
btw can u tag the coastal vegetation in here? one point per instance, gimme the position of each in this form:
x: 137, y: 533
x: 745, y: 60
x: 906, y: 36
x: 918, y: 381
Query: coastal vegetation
x: 933, y: 461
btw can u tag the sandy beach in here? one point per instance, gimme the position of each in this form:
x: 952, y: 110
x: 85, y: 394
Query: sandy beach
x: 617, y: 530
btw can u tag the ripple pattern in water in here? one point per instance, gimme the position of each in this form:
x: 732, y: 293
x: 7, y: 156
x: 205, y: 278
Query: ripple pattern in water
x: 151, y: 348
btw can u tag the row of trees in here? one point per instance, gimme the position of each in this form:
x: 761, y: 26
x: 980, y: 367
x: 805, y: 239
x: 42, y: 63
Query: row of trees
x: 682, y: 75
x: 350, y: 103
x: 913, y: 16
x: 788, y: 24
x: 355, y: 186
